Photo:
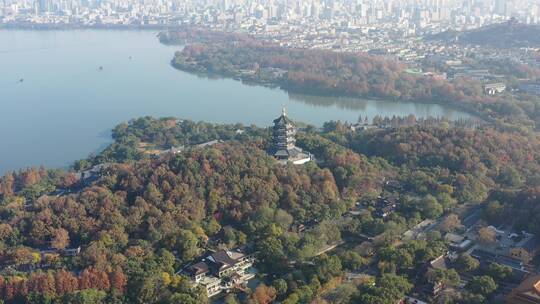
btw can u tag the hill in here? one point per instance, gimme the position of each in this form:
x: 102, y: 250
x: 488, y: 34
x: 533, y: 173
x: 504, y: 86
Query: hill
x: 506, y: 34
x: 122, y: 232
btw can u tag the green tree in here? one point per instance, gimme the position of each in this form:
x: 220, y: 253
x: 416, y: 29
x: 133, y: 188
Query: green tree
x: 430, y: 207
x: 472, y: 298
x: 499, y: 272
x: 281, y: 286
x: 231, y: 299
x: 494, y: 212
x: 87, y: 296
x: 467, y: 263
x: 510, y: 176
x: 182, y: 298
x: 394, y: 286
x: 327, y: 267
x: 38, y: 298
x: 389, y: 289
x: 342, y: 294
x: 483, y: 285
x: 352, y: 260
x: 187, y: 245
x: 449, y: 277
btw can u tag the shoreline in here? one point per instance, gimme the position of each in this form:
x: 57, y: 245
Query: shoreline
x: 243, y: 79
x: 68, y: 161
x: 279, y: 85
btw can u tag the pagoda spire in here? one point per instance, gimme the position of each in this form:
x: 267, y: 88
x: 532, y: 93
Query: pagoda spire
x: 284, y: 111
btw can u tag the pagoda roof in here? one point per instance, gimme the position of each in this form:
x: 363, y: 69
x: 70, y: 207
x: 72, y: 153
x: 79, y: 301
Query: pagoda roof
x: 283, y: 119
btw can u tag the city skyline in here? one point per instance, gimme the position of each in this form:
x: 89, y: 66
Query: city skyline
x: 416, y: 16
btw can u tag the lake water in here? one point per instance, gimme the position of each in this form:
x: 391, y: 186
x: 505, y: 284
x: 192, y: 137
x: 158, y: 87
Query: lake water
x: 65, y: 106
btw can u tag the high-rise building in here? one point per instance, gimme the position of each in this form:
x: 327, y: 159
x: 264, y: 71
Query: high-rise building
x: 43, y: 6
x: 501, y: 7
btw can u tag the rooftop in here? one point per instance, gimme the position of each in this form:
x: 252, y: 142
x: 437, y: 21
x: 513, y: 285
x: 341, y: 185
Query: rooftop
x: 528, y: 292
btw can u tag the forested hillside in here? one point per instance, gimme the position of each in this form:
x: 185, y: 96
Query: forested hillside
x: 502, y: 35
x: 145, y: 216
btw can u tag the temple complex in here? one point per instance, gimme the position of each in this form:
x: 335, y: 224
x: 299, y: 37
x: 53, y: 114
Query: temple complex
x: 284, y: 143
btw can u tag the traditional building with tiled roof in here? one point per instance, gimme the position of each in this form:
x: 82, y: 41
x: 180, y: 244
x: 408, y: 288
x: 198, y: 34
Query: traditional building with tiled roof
x: 221, y: 270
x: 284, y: 143
x: 528, y: 292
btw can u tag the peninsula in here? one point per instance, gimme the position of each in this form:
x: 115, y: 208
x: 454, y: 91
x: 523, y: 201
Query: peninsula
x: 327, y: 72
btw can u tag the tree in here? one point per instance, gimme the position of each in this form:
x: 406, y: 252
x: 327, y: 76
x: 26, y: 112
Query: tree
x: 38, y: 298
x: 397, y: 284
x: 22, y: 255
x: 486, y: 235
x: 283, y: 219
x: 448, y: 296
x: 292, y: 299
x: 118, y: 280
x: 95, y: 255
x: 327, y: 267
x: 467, y: 263
x: 303, y: 294
x: 483, y: 285
x: 263, y: 295
x: 281, y: 286
x: 342, y: 294
x: 7, y: 184
x: 66, y: 282
x: 430, y: 207
x: 450, y: 223
x: 472, y: 298
x: 212, y: 227
x: 61, y: 239
x: 183, y: 298
x: 494, y: 212
x: 271, y: 253
x: 87, y: 296
x: 389, y: 289
x: 231, y: 299
x: 352, y: 260
x: 41, y: 283
x: 445, y: 199
x: 187, y: 245
x: 499, y: 272
x: 510, y: 176
x: 448, y: 277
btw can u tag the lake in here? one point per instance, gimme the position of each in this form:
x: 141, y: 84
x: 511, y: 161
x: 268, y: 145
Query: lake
x: 66, y: 105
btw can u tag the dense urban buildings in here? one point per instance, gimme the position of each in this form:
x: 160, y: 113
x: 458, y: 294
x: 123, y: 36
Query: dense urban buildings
x: 391, y: 28
x: 270, y: 13
x: 275, y: 18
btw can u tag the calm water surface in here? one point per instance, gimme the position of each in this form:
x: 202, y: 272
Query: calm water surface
x: 66, y: 105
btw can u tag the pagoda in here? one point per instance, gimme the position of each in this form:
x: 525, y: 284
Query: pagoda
x: 284, y: 143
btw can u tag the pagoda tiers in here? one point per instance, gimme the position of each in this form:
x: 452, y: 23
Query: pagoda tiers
x: 283, y: 142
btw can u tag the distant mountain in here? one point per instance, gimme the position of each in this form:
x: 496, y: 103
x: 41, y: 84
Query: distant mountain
x: 506, y: 34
